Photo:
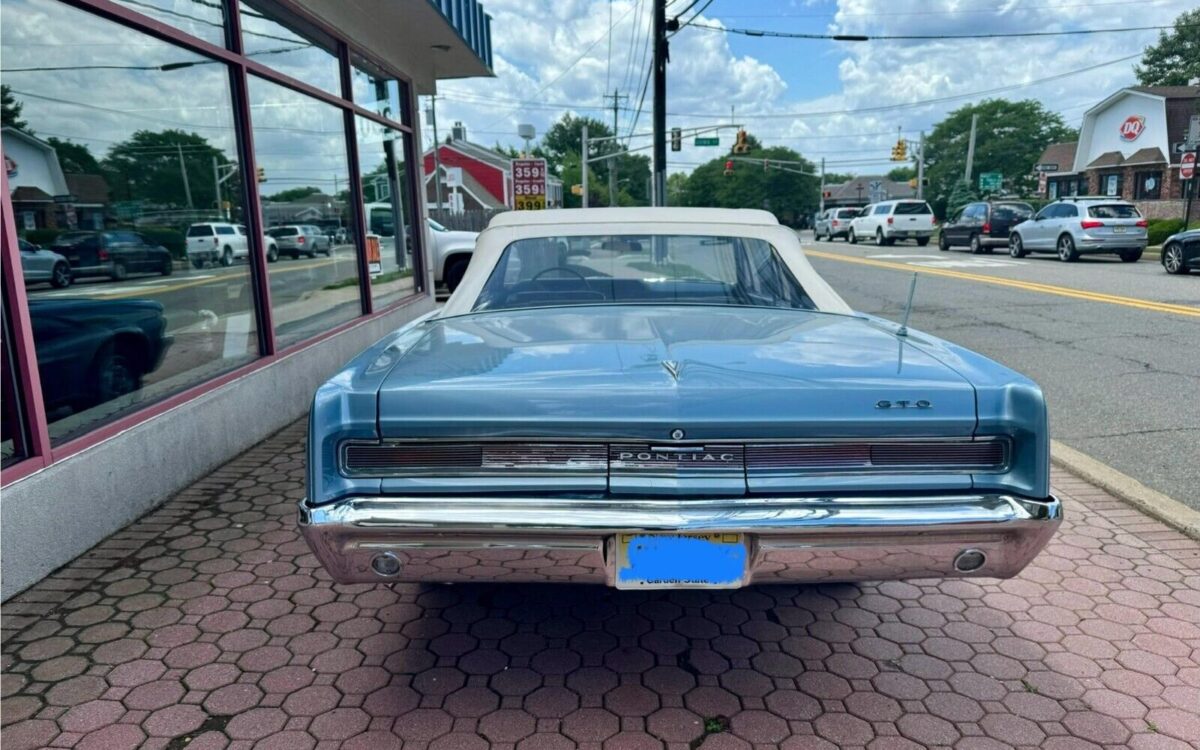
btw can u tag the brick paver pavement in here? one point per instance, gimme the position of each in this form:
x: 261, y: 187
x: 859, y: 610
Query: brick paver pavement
x: 207, y: 624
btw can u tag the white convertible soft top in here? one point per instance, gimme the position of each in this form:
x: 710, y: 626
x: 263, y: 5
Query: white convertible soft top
x: 511, y: 226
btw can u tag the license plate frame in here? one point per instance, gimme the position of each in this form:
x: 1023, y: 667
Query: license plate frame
x: 1120, y: 230
x: 681, y: 560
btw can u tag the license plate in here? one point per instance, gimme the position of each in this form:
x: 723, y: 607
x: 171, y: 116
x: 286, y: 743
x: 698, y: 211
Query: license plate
x: 1118, y: 230
x: 677, y: 561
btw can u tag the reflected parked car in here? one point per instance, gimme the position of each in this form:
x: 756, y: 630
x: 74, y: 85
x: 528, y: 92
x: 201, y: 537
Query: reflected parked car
x: 115, y: 253
x: 295, y: 240
x: 39, y: 265
x: 221, y: 242
x: 983, y: 226
x: 90, y: 350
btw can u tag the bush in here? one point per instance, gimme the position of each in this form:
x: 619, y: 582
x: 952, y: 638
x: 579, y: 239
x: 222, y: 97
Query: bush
x: 41, y: 237
x: 1158, y: 230
x: 172, y: 239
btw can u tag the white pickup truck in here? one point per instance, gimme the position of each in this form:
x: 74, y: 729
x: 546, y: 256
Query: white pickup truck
x: 888, y: 221
x: 220, y: 242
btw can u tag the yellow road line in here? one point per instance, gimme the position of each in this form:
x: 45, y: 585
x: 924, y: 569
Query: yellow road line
x: 1029, y: 286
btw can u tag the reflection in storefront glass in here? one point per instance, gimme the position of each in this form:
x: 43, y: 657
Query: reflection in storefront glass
x: 12, y: 429
x: 388, y: 210
x: 200, y: 18
x: 300, y: 147
x: 117, y: 144
x: 378, y: 91
x: 274, y: 40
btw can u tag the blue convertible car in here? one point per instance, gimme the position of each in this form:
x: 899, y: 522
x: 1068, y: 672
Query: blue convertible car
x: 669, y: 398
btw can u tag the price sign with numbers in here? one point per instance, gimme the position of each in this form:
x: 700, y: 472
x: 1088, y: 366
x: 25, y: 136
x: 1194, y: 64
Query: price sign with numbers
x: 529, y: 184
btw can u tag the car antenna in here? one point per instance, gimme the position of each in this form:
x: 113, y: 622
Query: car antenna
x: 908, y: 307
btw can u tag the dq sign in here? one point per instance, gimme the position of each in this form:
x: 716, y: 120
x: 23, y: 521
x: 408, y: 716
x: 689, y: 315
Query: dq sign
x: 1132, y: 127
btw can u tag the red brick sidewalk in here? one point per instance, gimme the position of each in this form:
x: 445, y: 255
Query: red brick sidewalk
x: 207, y: 624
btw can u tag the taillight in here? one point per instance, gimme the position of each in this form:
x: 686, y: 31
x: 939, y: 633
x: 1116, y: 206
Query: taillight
x: 1141, y: 223
x: 1091, y: 224
x: 103, y: 254
x: 299, y: 240
x: 835, y: 222
x: 987, y: 228
x: 215, y: 240
x: 891, y: 220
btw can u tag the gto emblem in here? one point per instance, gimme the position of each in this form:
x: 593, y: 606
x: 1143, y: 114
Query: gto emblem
x: 903, y: 404
x: 677, y: 434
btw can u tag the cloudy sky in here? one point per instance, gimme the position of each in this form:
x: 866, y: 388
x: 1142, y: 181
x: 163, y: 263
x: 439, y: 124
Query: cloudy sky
x: 837, y: 100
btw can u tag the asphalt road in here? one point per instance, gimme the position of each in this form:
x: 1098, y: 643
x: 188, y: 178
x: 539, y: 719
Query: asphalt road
x: 1115, y: 346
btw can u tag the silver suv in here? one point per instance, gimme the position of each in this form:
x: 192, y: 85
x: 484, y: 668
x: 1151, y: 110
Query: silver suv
x: 1071, y: 227
x: 301, y: 239
x: 833, y: 223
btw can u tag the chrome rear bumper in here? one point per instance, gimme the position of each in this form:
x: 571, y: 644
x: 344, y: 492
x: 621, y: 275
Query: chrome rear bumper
x: 790, y: 539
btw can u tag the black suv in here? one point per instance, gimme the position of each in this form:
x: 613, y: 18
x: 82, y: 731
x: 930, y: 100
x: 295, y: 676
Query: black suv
x: 115, y: 253
x: 984, y: 225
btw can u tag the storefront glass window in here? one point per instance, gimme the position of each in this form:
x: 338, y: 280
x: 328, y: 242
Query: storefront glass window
x: 388, y: 210
x: 1111, y: 184
x: 12, y: 427
x: 1052, y: 189
x: 119, y: 146
x: 272, y: 38
x: 204, y: 19
x: 300, y: 150
x: 1148, y: 185
x: 377, y: 91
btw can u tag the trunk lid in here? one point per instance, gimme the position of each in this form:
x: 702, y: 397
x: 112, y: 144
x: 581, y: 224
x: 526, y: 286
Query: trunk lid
x: 642, y: 371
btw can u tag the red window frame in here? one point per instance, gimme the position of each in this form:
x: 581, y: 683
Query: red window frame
x: 39, y: 453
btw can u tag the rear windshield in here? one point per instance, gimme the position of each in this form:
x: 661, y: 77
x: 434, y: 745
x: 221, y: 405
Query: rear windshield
x: 1017, y: 211
x: 200, y: 230
x: 1113, y: 211
x: 225, y: 230
x: 641, y: 269
x: 913, y: 208
x: 284, y: 232
x: 847, y: 213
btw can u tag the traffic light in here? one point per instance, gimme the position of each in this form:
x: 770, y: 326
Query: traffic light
x: 766, y: 164
x: 741, y: 147
x: 900, y: 150
x: 577, y: 189
x: 262, y: 174
x: 913, y: 183
x: 728, y: 167
x: 676, y: 139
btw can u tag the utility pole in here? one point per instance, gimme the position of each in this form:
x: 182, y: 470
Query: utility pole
x: 1190, y: 190
x: 616, y: 97
x: 217, y: 188
x: 437, y: 148
x: 822, y: 184
x: 660, y: 103
x: 583, y: 162
x: 971, y: 149
x: 187, y: 188
x: 921, y: 167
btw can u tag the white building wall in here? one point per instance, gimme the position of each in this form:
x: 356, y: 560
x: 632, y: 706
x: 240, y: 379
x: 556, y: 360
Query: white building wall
x: 1101, y: 131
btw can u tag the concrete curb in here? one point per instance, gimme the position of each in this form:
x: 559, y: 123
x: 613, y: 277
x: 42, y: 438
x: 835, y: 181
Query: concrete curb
x: 1127, y: 489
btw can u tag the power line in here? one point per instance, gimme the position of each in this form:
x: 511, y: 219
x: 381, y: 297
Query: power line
x: 691, y: 20
x: 998, y: 10
x: 923, y: 37
x: 923, y: 102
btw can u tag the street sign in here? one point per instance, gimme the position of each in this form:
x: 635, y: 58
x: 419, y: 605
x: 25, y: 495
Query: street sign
x: 453, y: 177
x: 705, y: 141
x: 990, y: 181
x: 875, y: 191
x: 529, y: 184
x: 1046, y: 168
x: 1193, y: 134
x: 1187, y: 165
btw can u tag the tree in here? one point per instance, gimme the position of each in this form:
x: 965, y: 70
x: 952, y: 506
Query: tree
x: 10, y: 110
x: 561, y: 146
x: 74, y: 158
x: 960, y: 195
x: 1009, y: 139
x: 1175, y: 58
x: 837, y: 178
x: 292, y: 194
x: 147, y: 167
x: 785, y: 193
x: 676, y: 188
x: 902, y: 174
